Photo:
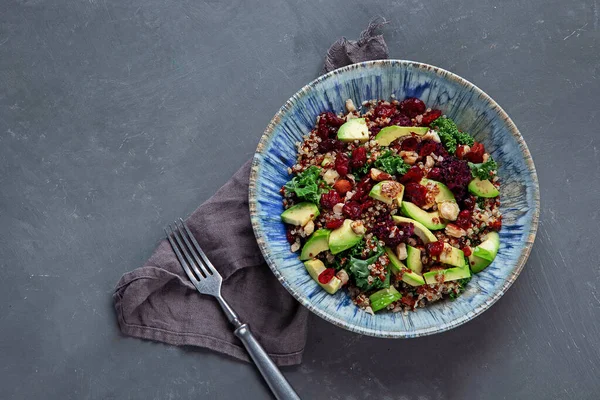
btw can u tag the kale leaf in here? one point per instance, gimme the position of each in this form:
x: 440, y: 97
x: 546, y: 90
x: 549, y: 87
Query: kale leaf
x: 308, y: 185
x: 359, y: 269
x: 391, y: 164
x: 462, y: 285
x: 450, y: 135
x: 483, y: 171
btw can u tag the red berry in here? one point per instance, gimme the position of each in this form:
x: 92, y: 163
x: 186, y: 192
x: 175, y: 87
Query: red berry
x: 431, y: 116
x: 461, y: 151
x: 359, y: 157
x: 409, y: 144
x: 467, y: 251
x: 342, y: 164
x: 352, y: 209
x: 435, y: 248
x: 330, y: 199
x: 412, y: 107
x: 476, y: 153
x: 435, y: 173
x: 416, y: 193
x: 400, y: 120
x: 414, y: 174
x: 464, y: 219
x: 342, y: 186
x: 326, y: 275
x: 469, y: 203
x: 334, y: 223
x: 384, y: 110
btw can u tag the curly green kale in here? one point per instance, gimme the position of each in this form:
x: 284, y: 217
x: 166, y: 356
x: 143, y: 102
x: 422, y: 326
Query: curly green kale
x: 359, y: 269
x: 308, y: 185
x: 450, y: 135
x: 483, y: 171
x: 462, y: 285
x: 391, y: 164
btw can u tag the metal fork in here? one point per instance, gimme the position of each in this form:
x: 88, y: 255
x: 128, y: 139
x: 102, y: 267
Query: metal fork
x: 208, y: 281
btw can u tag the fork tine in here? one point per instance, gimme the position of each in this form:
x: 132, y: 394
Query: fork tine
x: 186, y: 253
x: 207, y: 262
x: 190, y: 249
x: 180, y: 256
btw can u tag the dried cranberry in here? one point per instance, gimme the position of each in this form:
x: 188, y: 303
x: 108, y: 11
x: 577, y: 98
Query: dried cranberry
x: 363, y: 188
x: 416, y: 193
x: 434, y: 249
x: 333, y: 120
x: 469, y: 203
x: 329, y: 145
x: 334, y: 223
x: 427, y: 146
x: 352, y: 209
x: 342, y: 164
x: 400, y: 120
x: 467, y: 251
x: 330, y: 199
x: 323, y: 130
x: 430, y: 116
x: 374, y: 131
x: 476, y: 153
x: 414, y: 174
x: 288, y: 235
x: 342, y: 186
x: 409, y: 144
x: 365, y: 206
x: 464, y: 219
x: 435, y: 174
x: 326, y: 275
x: 456, y: 175
x: 412, y: 107
x: 359, y: 157
x: 461, y: 151
x: 385, y: 110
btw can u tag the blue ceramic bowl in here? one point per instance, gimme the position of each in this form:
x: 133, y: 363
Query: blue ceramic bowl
x: 474, y: 112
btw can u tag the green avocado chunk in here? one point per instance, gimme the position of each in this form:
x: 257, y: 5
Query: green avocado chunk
x: 318, y: 242
x: 315, y: 268
x: 383, y: 298
x: 446, y: 275
x: 452, y: 256
x: 477, y: 264
x: 431, y: 219
x: 398, y: 267
x: 483, y: 188
x: 390, y: 133
x: 343, y: 237
x: 423, y: 233
x: 413, y: 261
x: 300, y: 214
x: 489, y: 247
x: 355, y: 129
x: 444, y: 194
x: 388, y: 192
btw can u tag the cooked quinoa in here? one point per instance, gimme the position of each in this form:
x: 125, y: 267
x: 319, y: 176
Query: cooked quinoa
x: 384, y: 186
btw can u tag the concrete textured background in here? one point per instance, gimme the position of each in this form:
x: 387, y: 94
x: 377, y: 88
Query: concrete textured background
x: 116, y: 118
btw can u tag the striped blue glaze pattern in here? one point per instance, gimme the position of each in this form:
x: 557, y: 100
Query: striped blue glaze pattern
x: 473, y: 111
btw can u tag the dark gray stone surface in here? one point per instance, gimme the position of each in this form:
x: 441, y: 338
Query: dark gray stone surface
x: 116, y: 117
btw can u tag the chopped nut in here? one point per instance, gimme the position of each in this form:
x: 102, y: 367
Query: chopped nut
x: 429, y: 162
x: 432, y: 135
x: 350, y: 105
x: 342, y: 275
x: 401, y: 251
x: 455, y: 231
x: 409, y: 157
x: 378, y: 175
x: 358, y: 227
x: 295, y: 247
x: 330, y: 176
x: 309, y: 228
x: 449, y: 210
x: 337, y: 209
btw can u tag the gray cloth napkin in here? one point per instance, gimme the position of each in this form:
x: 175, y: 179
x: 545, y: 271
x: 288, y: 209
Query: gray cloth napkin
x: 157, y: 301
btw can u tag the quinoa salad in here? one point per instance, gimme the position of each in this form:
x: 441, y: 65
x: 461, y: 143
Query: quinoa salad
x: 393, y: 203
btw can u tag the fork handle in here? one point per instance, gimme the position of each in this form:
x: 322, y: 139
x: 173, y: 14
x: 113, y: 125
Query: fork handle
x: 275, y: 379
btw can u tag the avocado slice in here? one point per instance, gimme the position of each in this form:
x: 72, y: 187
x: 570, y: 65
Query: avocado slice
x: 413, y: 261
x: 423, y: 233
x: 343, y: 237
x: 355, y: 129
x: 383, y: 298
x: 444, y: 194
x: 447, y: 275
x: 300, y: 214
x: 398, y: 267
x: 314, y: 268
x: 488, y: 249
x: 431, y: 219
x: 477, y: 264
x: 452, y: 256
x: 390, y: 133
x: 388, y: 192
x: 318, y: 242
x: 483, y: 188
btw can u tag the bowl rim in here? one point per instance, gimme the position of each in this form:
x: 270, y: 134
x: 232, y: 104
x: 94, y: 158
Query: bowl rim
x: 361, y: 329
